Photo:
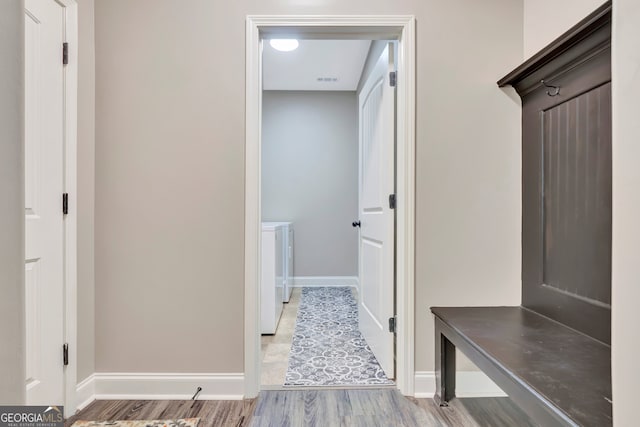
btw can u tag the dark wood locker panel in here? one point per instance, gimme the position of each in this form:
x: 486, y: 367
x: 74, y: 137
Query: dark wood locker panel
x: 577, y: 196
x: 566, y: 178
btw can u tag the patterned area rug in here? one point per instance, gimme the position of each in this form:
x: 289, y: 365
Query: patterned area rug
x: 185, y: 422
x: 327, y: 348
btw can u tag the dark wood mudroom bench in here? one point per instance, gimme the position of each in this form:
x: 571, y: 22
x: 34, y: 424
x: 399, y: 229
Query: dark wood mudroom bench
x: 557, y: 375
x: 552, y: 353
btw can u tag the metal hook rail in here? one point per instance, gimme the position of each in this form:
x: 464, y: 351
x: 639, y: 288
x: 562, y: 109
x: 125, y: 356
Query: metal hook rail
x: 556, y: 89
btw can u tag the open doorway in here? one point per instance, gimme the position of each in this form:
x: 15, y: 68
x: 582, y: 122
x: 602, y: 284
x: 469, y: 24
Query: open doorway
x: 400, y: 29
x: 328, y: 170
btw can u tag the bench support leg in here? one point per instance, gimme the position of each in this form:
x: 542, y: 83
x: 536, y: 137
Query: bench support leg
x: 445, y: 368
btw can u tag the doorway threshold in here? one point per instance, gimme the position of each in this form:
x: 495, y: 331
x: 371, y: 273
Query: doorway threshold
x: 325, y: 387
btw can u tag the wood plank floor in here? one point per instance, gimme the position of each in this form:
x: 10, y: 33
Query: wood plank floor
x: 229, y: 413
x: 297, y: 408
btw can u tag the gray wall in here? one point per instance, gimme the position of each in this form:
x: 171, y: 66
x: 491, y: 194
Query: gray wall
x: 170, y: 171
x: 545, y: 20
x: 12, y: 349
x: 468, y: 198
x: 626, y: 211
x: 169, y: 186
x: 310, y: 176
x: 86, y: 189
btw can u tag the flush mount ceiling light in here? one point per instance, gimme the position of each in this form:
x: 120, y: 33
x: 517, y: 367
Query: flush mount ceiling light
x: 284, y: 45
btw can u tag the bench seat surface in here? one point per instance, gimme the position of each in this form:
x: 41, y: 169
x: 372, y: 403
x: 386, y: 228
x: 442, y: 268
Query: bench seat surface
x: 571, y: 370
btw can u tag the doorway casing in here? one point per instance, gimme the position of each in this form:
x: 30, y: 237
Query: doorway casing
x: 71, y: 219
x: 401, y: 28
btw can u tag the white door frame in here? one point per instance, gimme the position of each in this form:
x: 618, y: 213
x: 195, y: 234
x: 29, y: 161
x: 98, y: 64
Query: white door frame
x: 70, y: 88
x: 401, y: 28
x: 71, y: 187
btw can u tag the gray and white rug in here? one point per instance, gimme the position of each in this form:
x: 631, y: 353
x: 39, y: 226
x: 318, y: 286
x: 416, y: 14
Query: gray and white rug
x: 327, y: 348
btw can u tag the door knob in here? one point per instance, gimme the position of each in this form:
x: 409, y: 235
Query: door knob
x: 356, y: 223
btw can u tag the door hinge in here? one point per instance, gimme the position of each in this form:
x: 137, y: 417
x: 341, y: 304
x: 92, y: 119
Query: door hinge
x: 65, y: 53
x: 393, y: 78
x: 65, y: 203
x: 392, y: 201
x: 65, y: 354
x: 393, y: 324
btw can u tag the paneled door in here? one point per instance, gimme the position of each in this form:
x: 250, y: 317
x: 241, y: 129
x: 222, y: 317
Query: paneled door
x: 377, y: 182
x: 44, y: 240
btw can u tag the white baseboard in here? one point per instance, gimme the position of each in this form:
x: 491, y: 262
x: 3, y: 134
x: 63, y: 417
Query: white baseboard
x: 468, y: 384
x: 151, y: 386
x: 335, y: 281
x: 85, y: 392
x: 424, y: 384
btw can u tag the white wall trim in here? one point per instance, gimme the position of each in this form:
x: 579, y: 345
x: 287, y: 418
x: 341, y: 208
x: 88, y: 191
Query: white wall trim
x: 405, y: 207
x: 468, y: 384
x: 159, y: 386
x: 387, y: 27
x: 85, y: 392
x: 425, y: 384
x: 333, y: 281
x: 70, y: 186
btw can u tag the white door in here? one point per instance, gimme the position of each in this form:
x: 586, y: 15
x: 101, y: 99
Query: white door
x: 376, y: 176
x: 44, y: 133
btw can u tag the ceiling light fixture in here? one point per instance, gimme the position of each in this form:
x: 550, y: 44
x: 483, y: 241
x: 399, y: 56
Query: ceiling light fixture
x: 284, y: 45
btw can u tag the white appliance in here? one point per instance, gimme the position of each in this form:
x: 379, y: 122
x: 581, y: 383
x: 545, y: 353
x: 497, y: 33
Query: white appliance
x: 277, y: 272
x: 272, y: 276
x: 287, y: 231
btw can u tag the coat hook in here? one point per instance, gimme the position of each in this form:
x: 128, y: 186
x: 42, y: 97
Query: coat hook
x: 556, y: 89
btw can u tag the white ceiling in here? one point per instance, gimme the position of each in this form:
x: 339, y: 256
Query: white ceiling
x: 300, y: 69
